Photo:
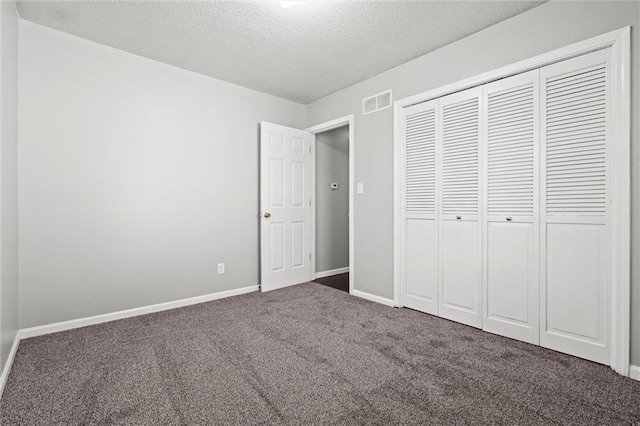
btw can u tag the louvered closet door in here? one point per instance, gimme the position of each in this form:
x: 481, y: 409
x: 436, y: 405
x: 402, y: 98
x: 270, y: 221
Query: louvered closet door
x: 576, y: 196
x: 420, y: 239
x: 460, y: 191
x: 511, y: 218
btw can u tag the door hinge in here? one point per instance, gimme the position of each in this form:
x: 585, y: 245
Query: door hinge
x: 309, y: 203
x: 309, y: 149
x: 309, y: 256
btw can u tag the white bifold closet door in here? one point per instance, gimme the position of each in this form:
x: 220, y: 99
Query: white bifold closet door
x: 576, y: 207
x: 511, y: 207
x: 459, y: 193
x: 420, y: 225
x: 506, y: 206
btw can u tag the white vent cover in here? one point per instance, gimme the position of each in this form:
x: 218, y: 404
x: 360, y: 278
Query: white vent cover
x: 376, y: 102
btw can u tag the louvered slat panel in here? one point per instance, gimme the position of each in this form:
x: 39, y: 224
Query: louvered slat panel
x: 576, y: 143
x: 510, y: 151
x: 460, y: 136
x: 420, y: 162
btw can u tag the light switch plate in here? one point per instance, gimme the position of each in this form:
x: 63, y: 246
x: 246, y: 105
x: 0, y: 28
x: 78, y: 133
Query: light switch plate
x: 360, y: 188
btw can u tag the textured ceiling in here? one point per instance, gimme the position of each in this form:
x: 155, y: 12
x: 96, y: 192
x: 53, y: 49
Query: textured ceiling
x: 301, y: 53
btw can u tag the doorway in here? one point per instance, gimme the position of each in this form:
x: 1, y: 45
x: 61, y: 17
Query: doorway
x: 332, y: 208
x: 332, y: 218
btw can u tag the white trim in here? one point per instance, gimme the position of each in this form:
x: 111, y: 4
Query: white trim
x: 621, y: 208
x: 634, y: 372
x: 331, y: 124
x: 398, y: 171
x: 312, y: 206
x: 373, y: 298
x: 9, y: 363
x: 332, y: 272
x: 619, y: 42
x: 99, y: 319
x: 324, y: 127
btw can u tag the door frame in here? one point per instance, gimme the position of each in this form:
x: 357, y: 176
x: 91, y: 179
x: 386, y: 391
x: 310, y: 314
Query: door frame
x: 320, y: 128
x: 619, y: 41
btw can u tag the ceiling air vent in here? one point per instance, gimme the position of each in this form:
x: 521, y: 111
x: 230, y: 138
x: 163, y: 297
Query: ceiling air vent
x: 376, y: 102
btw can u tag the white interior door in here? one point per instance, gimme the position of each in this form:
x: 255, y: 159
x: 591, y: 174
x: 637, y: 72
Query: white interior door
x: 511, y: 212
x: 419, y: 274
x: 460, y: 276
x: 576, y: 200
x: 285, y: 204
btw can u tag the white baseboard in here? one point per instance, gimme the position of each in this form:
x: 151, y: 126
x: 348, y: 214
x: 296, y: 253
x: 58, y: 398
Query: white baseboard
x: 98, y: 319
x: 373, y: 298
x: 7, y: 365
x: 634, y: 372
x: 332, y: 272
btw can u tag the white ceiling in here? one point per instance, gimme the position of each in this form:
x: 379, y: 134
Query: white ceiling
x: 301, y: 53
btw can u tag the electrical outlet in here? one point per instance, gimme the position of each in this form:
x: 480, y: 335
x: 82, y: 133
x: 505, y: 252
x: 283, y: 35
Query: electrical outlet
x: 220, y: 268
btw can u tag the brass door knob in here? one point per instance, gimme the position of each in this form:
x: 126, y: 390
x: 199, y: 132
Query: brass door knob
x: 267, y: 215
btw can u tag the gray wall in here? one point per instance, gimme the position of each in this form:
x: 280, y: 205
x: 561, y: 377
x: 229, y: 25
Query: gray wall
x: 9, y: 178
x: 332, y: 205
x: 547, y: 27
x: 136, y: 179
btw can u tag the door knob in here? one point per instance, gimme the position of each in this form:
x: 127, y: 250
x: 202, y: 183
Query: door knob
x: 508, y: 219
x: 458, y: 217
x: 267, y: 215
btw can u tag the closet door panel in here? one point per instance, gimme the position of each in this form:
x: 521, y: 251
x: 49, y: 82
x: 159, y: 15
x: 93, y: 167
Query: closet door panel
x: 511, y: 207
x: 575, y: 234
x: 459, y: 271
x: 419, y: 272
x: 510, y: 262
x: 459, y: 192
x: 574, y: 280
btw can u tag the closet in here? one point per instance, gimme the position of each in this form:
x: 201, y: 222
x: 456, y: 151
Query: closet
x: 505, y: 215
